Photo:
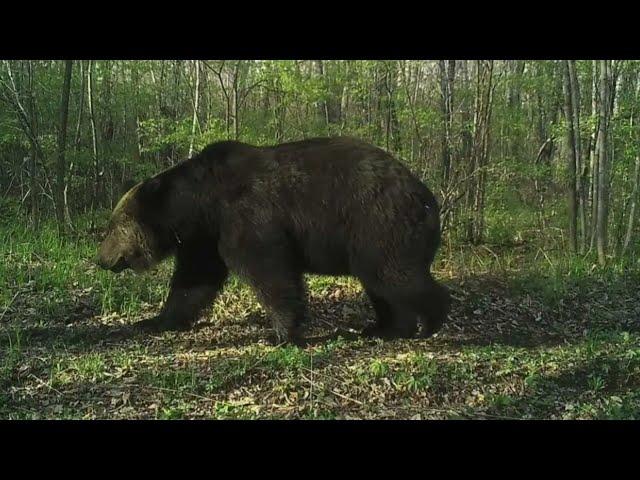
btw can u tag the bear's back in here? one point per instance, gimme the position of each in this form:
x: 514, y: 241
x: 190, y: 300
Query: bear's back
x: 337, y: 170
x: 331, y: 196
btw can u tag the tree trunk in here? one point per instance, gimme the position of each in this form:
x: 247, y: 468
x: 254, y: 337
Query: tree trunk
x: 593, y: 154
x: 62, y: 143
x: 107, y: 133
x: 76, y: 141
x: 447, y: 69
x: 344, y: 99
x: 195, y: 108
x: 94, y: 144
x: 235, y: 100
x: 603, y: 191
x: 393, y: 114
x: 571, y: 156
x: 35, y: 147
x: 391, y: 125
x: 632, y: 207
x: 482, y: 117
x: 581, y: 166
x: 323, y: 106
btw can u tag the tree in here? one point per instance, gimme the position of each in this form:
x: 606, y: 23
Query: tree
x: 572, y: 157
x: 632, y: 209
x: 196, y: 98
x: 97, y: 175
x: 61, y: 184
x: 581, y: 165
x: 601, y: 150
x: 447, y: 69
x: 480, y: 148
x: 593, y: 152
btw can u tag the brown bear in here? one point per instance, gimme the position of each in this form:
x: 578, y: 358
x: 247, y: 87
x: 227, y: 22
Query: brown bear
x: 332, y: 206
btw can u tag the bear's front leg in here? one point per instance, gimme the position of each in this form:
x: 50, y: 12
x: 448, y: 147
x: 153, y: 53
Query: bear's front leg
x: 181, y: 310
x: 284, y: 299
x: 263, y: 255
x: 196, y: 281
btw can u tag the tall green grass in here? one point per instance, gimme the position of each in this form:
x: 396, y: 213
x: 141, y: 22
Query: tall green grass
x: 55, y: 272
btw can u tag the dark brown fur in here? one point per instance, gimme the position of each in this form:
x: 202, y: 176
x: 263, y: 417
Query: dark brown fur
x: 327, y: 206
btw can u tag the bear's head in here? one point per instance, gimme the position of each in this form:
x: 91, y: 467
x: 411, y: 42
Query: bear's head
x: 136, y: 236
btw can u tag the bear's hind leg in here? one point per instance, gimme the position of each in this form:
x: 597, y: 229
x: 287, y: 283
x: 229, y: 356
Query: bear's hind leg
x: 417, y: 298
x: 196, y: 281
x: 435, y: 305
x: 421, y: 299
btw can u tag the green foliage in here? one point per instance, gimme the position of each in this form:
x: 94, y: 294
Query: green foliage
x: 379, y: 368
x: 159, y: 134
x: 53, y: 268
x: 10, y: 358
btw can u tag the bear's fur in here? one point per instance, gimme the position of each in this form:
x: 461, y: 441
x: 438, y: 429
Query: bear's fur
x: 335, y: 206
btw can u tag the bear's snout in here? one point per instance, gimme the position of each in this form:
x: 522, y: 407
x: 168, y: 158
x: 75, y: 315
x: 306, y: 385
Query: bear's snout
x: 110, y: 257
x: 116, y: 265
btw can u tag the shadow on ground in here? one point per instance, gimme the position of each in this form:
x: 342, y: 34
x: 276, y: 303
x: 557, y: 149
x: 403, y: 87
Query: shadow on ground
x: 486, y: 310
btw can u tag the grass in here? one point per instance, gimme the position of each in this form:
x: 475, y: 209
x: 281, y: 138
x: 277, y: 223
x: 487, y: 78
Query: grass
x: 533, y: 334
x: 46, y: 266
x: 9, y: 360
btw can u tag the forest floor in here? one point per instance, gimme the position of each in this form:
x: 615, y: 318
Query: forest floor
x: 518, y: 345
